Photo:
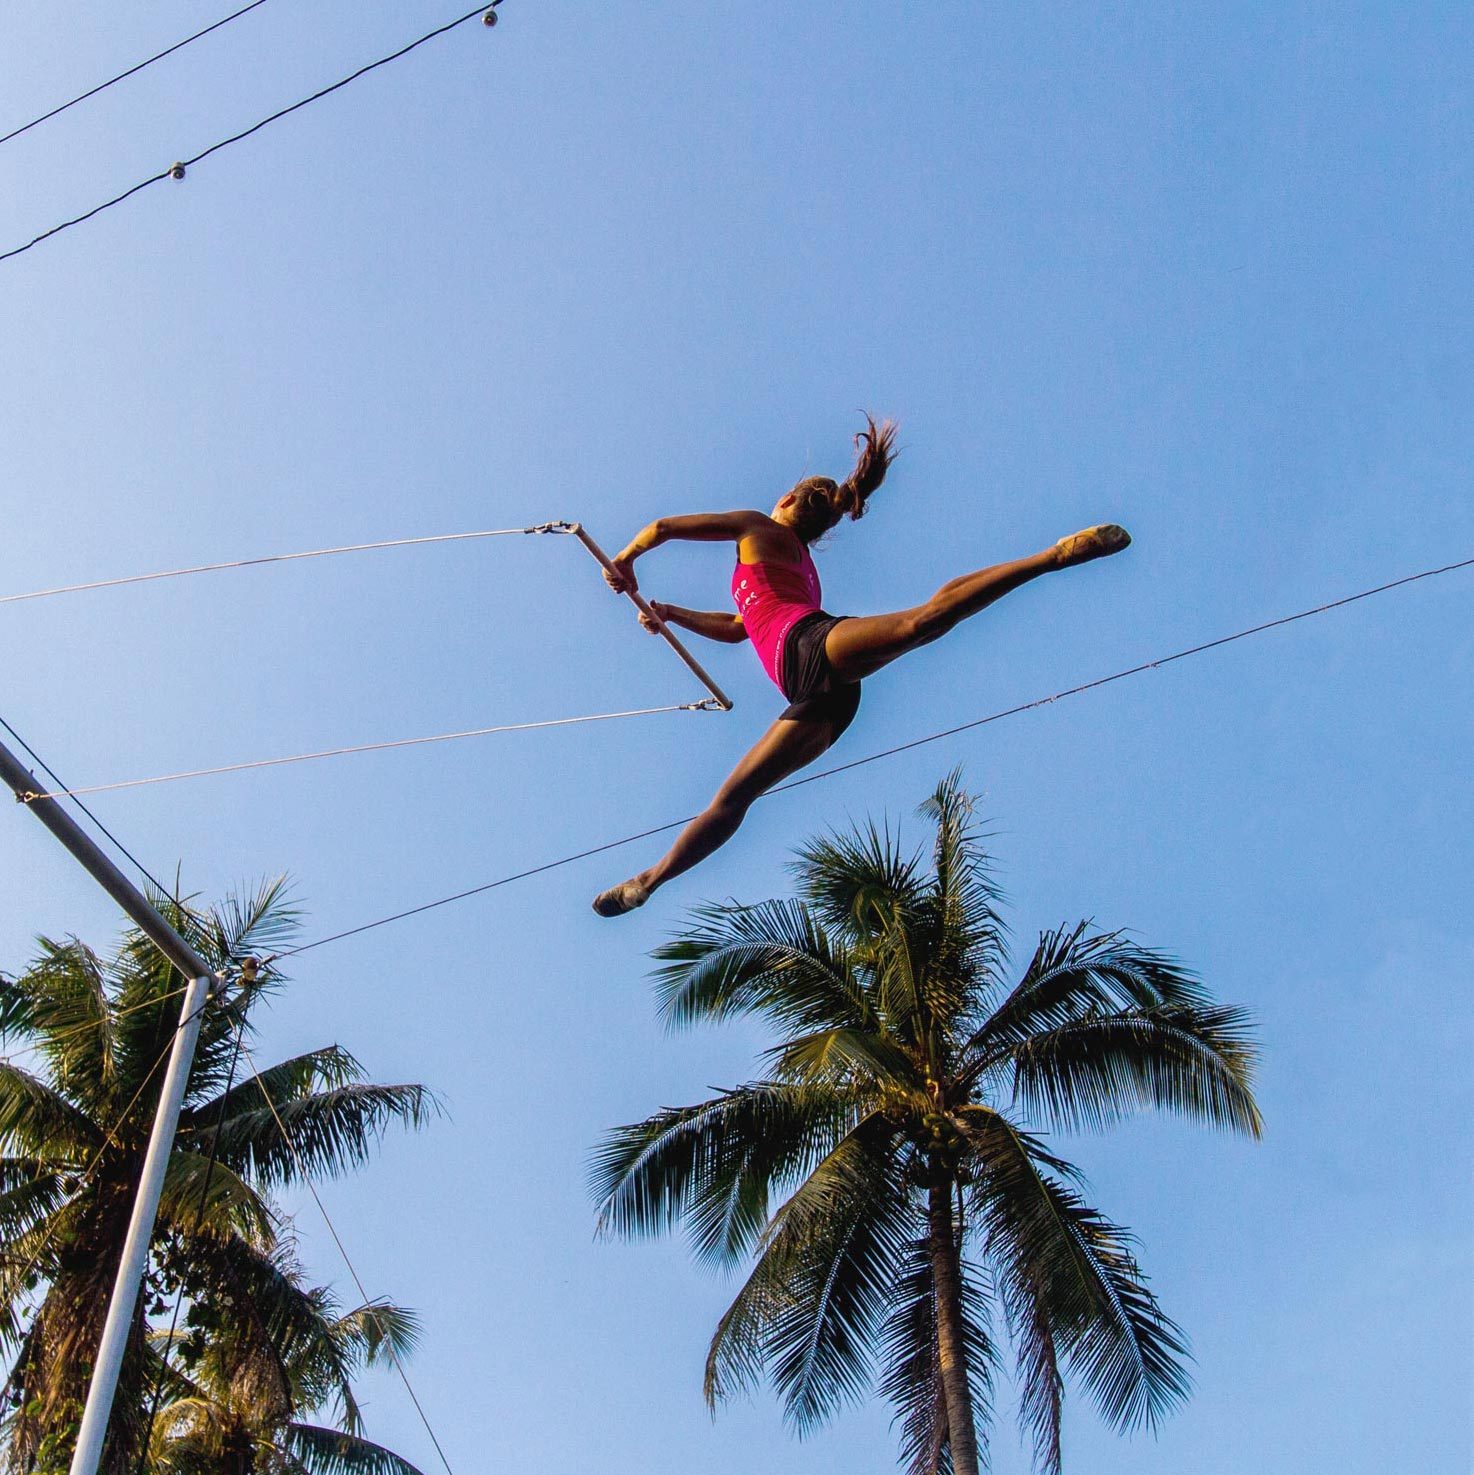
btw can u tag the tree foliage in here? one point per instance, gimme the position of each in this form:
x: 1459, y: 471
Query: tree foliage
x: 74, y: 1125
x: 886, y: 1178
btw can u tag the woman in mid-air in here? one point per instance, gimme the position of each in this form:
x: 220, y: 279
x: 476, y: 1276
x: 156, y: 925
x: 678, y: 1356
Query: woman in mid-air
x: 817, y: 660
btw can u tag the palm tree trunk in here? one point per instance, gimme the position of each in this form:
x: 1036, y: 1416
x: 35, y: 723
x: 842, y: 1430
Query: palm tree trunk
x: 946, y: 1272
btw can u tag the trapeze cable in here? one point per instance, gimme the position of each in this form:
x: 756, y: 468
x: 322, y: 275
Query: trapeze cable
x: 131, y: 72
x: 705, y: 705
x: 232, y: 563
x: 572, y: 529
x: 60, y: 783
x: 178, y: 168
x: 342, y: 1249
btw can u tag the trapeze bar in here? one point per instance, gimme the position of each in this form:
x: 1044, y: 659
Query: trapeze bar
x: 640, y: 603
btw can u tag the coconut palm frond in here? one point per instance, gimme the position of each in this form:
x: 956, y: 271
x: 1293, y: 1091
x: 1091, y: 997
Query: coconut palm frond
x: 853, y: 881
x: 287, y: 1080
x: 201, y: 1196
x: 17, y: 1003
x: 70, y: 1018
x: 773, y: 959
x: 1075, y: 974
x: 378, y: 1332
x: 326, y: 1132
x: 846, y: 1058
x: 31, y: 1190
x: 817, y: 1288
x: 35, y: 1118
x: 1188, y: 1059
x: 257, y: 925
x: 970, y: 911
x: 840, y: 1240
x: 1060, y: 1262
x: 715, y: 1164
x: 331, y: 1452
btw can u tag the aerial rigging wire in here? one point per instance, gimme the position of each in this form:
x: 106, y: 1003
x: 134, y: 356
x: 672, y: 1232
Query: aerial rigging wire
x: 234, y: 563
x: 706, y: 704
x: 177, y: 169
x: 343, y: 1251
x: 132, y: 71
x: 717, y: 701
x: 56, y: 778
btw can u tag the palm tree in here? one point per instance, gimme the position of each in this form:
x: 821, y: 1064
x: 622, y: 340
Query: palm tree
x: 236, y: 1404
x: 74, y: 1124
x: 886, y: 1171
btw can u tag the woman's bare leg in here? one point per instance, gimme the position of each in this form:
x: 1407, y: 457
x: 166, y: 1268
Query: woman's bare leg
x: 860, y: 646
x: 785, y: 748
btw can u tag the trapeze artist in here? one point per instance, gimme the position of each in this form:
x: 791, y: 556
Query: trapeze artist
x: 817, y: 660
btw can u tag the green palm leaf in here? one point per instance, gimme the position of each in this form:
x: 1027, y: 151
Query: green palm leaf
x: 330, y: 1452
x: 327, y: 1132
x: 70, y: 1018
x: 846, y: 1058
x: 1074, y: 974
x: 773, y: 959
x: 1068, y: 1275
x: 35, y: 1118
x: 204, y: 1197
x: 716, y: 1164
x: 1181, y: 1058
x: 821, y: 1284
x: 850, y: 880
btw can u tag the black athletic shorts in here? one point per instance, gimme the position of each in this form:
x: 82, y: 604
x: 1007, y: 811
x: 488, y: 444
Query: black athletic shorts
x: 814, y: 693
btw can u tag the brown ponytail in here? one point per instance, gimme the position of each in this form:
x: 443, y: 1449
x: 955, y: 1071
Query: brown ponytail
x: 823, y: 502
x: 877, y: 451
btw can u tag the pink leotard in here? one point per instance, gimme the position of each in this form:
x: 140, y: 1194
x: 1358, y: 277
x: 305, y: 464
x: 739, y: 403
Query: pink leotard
x: 771, y: 599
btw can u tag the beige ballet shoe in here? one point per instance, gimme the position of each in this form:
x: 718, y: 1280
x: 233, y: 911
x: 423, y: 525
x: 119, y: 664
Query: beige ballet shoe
x: 1096, y: 542
x: 620, y: 899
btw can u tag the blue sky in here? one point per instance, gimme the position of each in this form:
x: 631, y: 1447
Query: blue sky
x: 1200, y: 269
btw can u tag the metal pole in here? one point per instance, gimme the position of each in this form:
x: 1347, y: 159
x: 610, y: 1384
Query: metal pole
x: 640, y: 603
x: 119, y: 1324
x: 27, y: 788
x: 115, y: 1330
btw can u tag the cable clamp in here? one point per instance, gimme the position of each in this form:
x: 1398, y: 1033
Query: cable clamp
x: 27, y: 796
x: 710, y: 704
x: 248, y: 971
x: 552, y: 527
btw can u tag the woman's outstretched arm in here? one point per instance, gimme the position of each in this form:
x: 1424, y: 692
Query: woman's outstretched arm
x: 714, y: 625
x: 698, y: 527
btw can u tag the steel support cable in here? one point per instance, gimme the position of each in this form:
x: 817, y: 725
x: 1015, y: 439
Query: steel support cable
x: 342, y: 1250
x: 718, y: 701
x: 234, y: 563
x: 132, y: 71
x: 706, y: 705
x: 177, y: 169
x: 52, y: 774
x: 933, y: 737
